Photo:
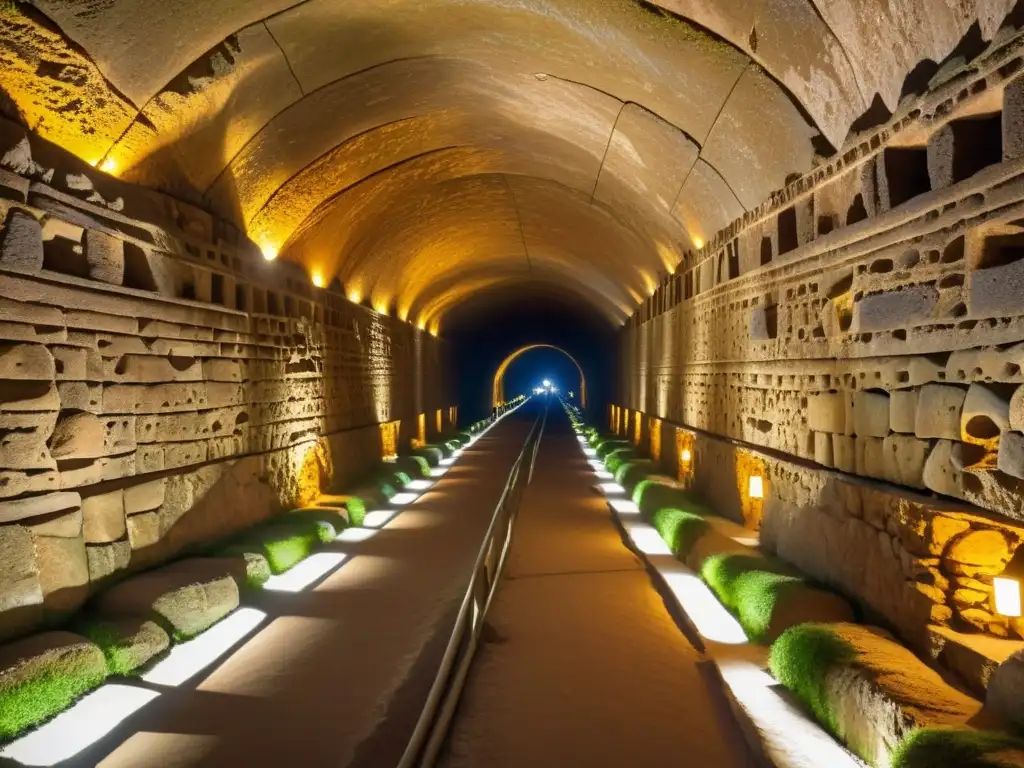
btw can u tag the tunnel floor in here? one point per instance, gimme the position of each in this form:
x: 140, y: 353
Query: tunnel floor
x: 582, y: 663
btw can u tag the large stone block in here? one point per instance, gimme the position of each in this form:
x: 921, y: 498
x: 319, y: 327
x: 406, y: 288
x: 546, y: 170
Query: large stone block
x: 984, y: 416
x: 1011, y: 454
x: 107, y: 559
x: 36, y: 506
x: 826, y: 412
x: 21, y: 395
x: 905, y: 458
x: 103, y: 517
x: 27, y: 362
x: 63, y: 573
x: 21, y: 594
x: 903, y: 410
x: 940, y: 473
x: 144, y: 496
x: 895, y: 309
x: 105, y: 256
x: 21, y: 245
x: 871, y: 413
x: 78, y: 436
x: 185, y: 597
x: 1013, y: 119
x: 939, y: 407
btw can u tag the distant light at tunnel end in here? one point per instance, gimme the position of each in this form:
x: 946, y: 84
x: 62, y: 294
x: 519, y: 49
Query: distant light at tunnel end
x: 318, y: 279
x: 269, y: 251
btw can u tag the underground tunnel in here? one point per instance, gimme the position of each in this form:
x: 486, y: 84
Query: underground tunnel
x: 512, y: 383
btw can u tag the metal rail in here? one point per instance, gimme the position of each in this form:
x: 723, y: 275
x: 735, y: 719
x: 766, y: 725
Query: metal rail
x: 432, y: 726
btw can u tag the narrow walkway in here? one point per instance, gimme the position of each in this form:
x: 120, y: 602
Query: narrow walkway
x: 337, y: 675
x: 583, y: 665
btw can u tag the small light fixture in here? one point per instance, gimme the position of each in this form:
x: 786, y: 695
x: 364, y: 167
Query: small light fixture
x: 1006, y: 587
x: 756, y: 487
x: 109, y: 165
x: 686, y: 457
x: 354, y: 296
x: 698, y: 243
x: 318, y: 279
x: 269, y: 251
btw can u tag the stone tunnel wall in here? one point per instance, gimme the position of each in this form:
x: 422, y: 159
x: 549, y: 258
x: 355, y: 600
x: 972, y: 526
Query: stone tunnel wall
x: 161, y: 385
x: 860, y: 340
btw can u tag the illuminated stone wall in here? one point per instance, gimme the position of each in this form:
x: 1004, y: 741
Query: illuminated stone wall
x: 869, y: 319
x: 162, y: 385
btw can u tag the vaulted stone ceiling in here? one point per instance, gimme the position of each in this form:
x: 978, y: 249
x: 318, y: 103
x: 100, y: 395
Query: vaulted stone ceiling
x: 426, y: 150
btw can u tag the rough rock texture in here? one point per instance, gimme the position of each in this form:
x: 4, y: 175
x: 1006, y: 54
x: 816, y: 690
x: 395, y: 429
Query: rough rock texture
x: 1004, y: 687
x: 185, y: 597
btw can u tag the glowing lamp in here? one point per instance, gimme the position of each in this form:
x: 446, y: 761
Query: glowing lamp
x: 698, y: 243
x: 547, y: 383
x: 109, y: 165
x: 686, y: 457
x: 756, y: 487
x: 318, y: 279
x: 1006, y: 587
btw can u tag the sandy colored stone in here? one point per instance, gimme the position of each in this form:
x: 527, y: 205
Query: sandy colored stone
x: 185, y: 597
x: 940, y: 474
x: 903, y: 410
x: 984, y: 548
x: 905, y: 458
x: 24, y: 438
x: 21, y: 242
x: 103, y: 517
x: 885, y: 692
x: 985, y: 415
x: 36, y: 506
x: 26, y: 362
x: 107, y: 559
x: 78, y: 436
x: 143, y: 530
x: 1011, y: 454
x: 63, y: 572
x: 21, y: 594
x: 938, y: 411
x: 105, y: 257
x: 144, y: 497
x: 825, y: 412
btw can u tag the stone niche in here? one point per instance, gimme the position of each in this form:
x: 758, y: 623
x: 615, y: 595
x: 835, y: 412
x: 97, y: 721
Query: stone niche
x: 160, y: 387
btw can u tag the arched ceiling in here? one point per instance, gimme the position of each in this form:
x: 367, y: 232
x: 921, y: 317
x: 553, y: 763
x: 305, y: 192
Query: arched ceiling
x: 426, y: 151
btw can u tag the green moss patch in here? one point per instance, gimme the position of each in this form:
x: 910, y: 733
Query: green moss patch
x: 127, y: 644
x: 287, y: 540
x: 605, y: 446
x: 412, y: 466
x: 801, y: 660
x: 42, y: 676
x: 958, y: 748
x: 614, y: 460
x: 432, y: 454
x: 680, y: 529
x: 651, y: 495
x: 632, y: 472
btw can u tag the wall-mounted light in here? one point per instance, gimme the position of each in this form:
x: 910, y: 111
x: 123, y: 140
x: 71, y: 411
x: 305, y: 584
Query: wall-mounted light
x: 269, y: 251
x: 354, y: 296
x: 109, y: 165
x: 686, y: 456
x: 318, y: 279
x: 756, y: 487
x: 1006, y: 587
x: 698, y: 243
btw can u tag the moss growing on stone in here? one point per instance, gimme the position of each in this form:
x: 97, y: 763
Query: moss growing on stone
x: 288, y: 540
x: 126, y: 644
x: 412, y: 466
x: 48, y: 680
x: 432, y: 454
x: 801, y: 660
x: 614, y: 460
x: 751, y: 587
x: 680, y: 529
x: 958, y: 748
x: 632, y: 472
x: 356, y: 506
x: 651, y: 495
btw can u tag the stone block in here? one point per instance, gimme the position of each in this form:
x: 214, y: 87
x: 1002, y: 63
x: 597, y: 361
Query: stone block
x: 896, y: 309
x: 63, y: 573
x: 143, y: 530
x: 1017, y: 409
x: 984, y: 548
x: 78, y: 435
x: 105, y: 256
x: 26, y: 362
x: 984, y: 416
x: 129, y: 643
x: 880, y: 692
x: 823, y: 449
x: 80, y: 396
x: 996, y: 291
x: 903, y: 410
x: 222, y: 370
x: 105, y: 560
x: 961, y: 148
x: 144, y: 497
x: 140, y: 369
x: 1011, y: 454
x: 22, y: 243
x: 1013, y: 119
x: 185, y: 597
x: 844, y: 453
x: 20, y: 395
x: 939, y: 407
x: 1007, y: 681
x: 870, y: 459
x: 871, y: 413
x: 826, y: 412
x: 103, y: 518
x: 35, y: 506
x: 905, y: 458
x: 66, y: 525
x: 23, y: 440
x: 21, y: 594
x: 940, y: 473
x: 16, y: 483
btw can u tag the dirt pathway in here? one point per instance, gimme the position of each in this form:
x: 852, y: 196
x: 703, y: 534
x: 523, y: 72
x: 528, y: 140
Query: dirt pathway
x: 583, y: 665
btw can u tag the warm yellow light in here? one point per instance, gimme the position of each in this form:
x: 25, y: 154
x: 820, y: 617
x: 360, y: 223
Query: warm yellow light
x: 698, y: 243
x: 382, y: 308
x: 269, y: 251
x: 756, y: 487
x: 1007, y: 596
x: 318, y: 279
x: 686, y: 456
x: 109, y: 165
x: 354, y: 296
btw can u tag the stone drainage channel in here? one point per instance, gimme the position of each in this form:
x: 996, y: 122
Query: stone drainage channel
x: 101, y: 711
x: 773, y: 725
